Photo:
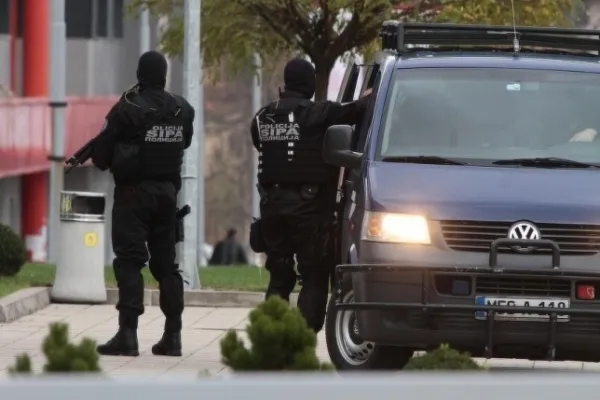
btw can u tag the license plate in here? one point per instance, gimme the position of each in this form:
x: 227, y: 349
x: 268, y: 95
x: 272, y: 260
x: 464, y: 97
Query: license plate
x: 521, y: 302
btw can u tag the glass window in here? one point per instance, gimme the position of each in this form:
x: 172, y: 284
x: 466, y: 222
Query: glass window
x: 5, y: 16
x: 4, y: 12
x: 118, y: 18
x: 78, y: 16
x: 117, y: 21
x: 102, y: 20
x: 485, y: 114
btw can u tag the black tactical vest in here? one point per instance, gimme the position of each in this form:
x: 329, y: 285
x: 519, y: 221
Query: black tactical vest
x: 157, y: 151
x: 287, y: 153
x: 163, y: 144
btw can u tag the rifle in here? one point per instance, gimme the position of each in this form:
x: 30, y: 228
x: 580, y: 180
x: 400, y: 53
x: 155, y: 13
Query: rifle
x: 180, y: 214
x: 81, y: 156
x: 84, y: 153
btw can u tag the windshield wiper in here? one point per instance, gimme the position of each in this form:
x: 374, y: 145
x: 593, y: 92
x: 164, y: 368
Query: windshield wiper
x: 423, y: 160
x: 545, y: 162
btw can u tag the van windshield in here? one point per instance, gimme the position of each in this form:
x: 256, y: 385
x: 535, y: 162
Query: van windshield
x: 481, y: 115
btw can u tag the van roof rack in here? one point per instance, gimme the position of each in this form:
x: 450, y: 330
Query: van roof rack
x: 403, y: 37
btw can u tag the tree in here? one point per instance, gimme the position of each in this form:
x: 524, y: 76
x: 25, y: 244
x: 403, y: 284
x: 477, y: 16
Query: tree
x: 325, y: 30
x: 233, y: 30
x: 499, y: 12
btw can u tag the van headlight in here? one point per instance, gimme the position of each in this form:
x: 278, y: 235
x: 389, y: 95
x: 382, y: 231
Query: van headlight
x: 395, y: 228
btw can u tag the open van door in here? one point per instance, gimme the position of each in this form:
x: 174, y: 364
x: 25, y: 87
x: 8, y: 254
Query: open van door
x: 358, y: 79
x: 351, y: 89
x: 349, y: 82
x: 372, y: 77
x: 346, y: 94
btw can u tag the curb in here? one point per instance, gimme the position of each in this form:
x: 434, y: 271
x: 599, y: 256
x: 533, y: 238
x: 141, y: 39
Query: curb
x: 28, y: 301
x: 24, y: 302
x: 204, y: 298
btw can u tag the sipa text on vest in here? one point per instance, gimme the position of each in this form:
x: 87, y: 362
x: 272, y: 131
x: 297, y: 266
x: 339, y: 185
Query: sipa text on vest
x: 165, y: 134
x: 273, y: 131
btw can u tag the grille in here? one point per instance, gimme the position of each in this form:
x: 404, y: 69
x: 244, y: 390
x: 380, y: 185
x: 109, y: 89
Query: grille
x: 579, y: 325
x: 477, y: 236
x: 538, y: 287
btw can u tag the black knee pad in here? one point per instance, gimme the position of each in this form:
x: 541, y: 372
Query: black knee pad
x: 171, y: 280
x: 312, y: 301
x: 283, y: 276
x: 171, y: 294
x: 126, y: 271
x: 313, y: 306
x: 161, y: 269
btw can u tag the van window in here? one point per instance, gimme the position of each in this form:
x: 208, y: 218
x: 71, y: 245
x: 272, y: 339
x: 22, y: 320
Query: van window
x: 489, y: 114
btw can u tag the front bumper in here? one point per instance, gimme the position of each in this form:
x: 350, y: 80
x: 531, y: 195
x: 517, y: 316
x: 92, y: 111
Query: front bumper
x: 403, y: 305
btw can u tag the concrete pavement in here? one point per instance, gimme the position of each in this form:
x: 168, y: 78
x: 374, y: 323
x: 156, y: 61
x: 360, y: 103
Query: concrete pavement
x: 203, y: 329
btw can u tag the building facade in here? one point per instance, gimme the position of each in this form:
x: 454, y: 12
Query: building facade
x: 103, y: 44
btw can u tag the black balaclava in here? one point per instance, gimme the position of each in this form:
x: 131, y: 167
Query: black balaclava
x: 299, y: 77
x: 152, y: 70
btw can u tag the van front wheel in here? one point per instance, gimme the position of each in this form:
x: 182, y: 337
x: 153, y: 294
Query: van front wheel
x: 349, y: 352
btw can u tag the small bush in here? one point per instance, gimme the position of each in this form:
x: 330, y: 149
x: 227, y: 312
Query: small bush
x: 443, y: 358
x: 22, y: 365
x: 279, y: 338
x: 12, y: 252
x: 61, y: 355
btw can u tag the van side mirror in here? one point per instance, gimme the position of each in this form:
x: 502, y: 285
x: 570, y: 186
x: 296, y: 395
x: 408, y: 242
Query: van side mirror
x: 337, y: 148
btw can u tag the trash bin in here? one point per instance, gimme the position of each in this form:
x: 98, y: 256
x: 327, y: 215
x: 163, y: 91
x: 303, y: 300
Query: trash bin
x: 80, y: 270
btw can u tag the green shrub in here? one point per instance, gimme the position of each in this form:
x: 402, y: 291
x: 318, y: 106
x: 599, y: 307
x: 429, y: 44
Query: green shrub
x: 443, y: 358
x: 22, y: 365
x: 12, y: 252
x: 61, y: 355
x: 279, y: 339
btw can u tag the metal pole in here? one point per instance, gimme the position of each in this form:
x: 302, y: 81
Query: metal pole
x: 256, y: 105
x: 13, y: 29
x: 193, y: 183
x: 110, y: 36
x: 199, y: 129
x: 110, y: 17
x: 162, y: 26
x: 91, y: 48
x: 145, y: 31
x: 58, y: 45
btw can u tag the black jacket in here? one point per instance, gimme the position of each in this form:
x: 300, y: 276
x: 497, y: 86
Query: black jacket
x: 322, y: 115
x: 228, y: 252
x: 123, y: 122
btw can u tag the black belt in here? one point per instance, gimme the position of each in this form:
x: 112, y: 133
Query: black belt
x: 302, y: 191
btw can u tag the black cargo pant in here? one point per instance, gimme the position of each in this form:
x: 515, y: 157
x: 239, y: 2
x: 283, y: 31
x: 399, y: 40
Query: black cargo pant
x: 143, y: 221
x: 292, y: 224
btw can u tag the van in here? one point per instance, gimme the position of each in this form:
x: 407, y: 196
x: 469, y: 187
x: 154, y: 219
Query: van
x: 470, y: 196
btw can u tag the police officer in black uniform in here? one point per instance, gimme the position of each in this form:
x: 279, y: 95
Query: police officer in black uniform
x: 298, y: 190
x: 142, y: 143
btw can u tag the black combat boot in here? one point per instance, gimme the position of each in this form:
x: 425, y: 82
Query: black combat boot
x: 124, y: 343
x: 168, y: 345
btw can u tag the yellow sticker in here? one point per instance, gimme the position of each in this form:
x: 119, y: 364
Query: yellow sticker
x: 90, y: 239
x: 66, y: 205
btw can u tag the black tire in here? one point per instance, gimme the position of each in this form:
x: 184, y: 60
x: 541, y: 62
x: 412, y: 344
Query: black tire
x: 368, y: 356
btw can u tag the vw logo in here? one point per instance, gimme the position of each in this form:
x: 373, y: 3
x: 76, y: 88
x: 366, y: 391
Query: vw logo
x: 524, y: 230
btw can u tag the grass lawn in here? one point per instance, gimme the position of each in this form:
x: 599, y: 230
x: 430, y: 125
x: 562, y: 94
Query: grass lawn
x: 218, y: 278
